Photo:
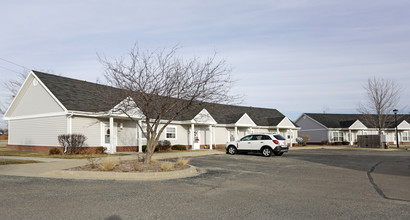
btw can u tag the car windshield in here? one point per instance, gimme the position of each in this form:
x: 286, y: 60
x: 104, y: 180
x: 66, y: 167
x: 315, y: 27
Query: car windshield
x: 279, y: 137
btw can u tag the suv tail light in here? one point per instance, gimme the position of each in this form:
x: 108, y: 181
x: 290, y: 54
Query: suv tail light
x: 276, y: 141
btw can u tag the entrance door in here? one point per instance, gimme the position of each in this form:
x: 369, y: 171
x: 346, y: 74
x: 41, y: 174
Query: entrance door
x: 197, y: 139
x: 107, y: 137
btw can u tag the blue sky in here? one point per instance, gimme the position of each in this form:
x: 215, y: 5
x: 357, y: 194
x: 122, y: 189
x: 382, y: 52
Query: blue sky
x: 295, y: 56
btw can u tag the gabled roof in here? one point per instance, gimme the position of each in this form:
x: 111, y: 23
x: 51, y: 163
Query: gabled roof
x: 78, y: 95
x: 347, y: 120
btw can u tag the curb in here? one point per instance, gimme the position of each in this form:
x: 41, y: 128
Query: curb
x: 106, y: 175
x: 43, y: 171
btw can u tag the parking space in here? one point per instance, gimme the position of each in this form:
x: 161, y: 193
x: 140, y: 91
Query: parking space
x: 303, y: 184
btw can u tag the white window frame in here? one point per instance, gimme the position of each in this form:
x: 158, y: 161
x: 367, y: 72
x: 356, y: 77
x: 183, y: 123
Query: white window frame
x: 167, y: 132
x: 405, y: 136
x: 338, y: 136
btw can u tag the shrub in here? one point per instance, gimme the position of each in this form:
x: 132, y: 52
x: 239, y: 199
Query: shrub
x: 324, y: 142
x: 144, y: 148
x: 93, y: 162
x: 100, y: 150
x: 108, y: 163
x: 83, y: 151
x: 178, y: 147
x: 345, y: 142
x: 72, y: 143
x: 164, y: 145
x: 182, y: 162
x: 337, y: 143
x: 305, y: 139
x: 54, y: 151
x: 167, y: 166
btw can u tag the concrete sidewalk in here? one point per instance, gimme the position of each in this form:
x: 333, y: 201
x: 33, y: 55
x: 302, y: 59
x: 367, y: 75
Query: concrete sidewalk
x: 58, y: 168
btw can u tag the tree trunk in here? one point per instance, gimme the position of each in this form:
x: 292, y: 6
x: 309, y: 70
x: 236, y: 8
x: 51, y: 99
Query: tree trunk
x: 381, y: 139
x: 150, y: 149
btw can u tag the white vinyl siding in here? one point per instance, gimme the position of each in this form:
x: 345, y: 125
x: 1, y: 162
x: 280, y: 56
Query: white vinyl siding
x: 37, y: 131
x: 33, y: 100
x: 127, y: 135
x: 90, y: 127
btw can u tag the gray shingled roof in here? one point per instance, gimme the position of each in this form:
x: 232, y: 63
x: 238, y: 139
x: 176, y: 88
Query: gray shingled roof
x: 346, y: 120
x: 78, y: 95
x: 75, y: 94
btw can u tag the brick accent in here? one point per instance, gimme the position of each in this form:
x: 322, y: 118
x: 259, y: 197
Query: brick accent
x: 32, y: 148
x: 219, y: 146
x: 127, y: 148
x: 47, y: 148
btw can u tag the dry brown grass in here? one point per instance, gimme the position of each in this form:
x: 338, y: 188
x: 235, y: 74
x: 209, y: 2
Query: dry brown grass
x: 108, y: 163
x: 167, y: 166
x: 15, y: 161
x: 182, y: 162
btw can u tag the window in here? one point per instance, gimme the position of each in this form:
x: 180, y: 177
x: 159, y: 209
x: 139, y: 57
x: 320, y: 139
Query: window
x: 266, y: 137
x: 247, y: 138
x: 143, y: 130
x: 171, y: 133
x: 337, y: 136
x: 405, y: 136
x: 279, y: 137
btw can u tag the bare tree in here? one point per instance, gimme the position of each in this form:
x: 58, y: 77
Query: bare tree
x: 12, y: 87
x: 160, y: 85
x: 382, y: 96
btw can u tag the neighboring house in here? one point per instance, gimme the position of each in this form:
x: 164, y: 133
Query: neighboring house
x: 333, y: 128
x: 49, y: 105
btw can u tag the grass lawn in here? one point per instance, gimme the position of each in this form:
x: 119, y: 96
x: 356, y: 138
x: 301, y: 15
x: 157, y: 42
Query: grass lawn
x: 14, y: 161
x: 5, y: 152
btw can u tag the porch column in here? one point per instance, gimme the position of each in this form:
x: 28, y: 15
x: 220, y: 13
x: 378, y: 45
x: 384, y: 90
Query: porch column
x: 139, y: 136
x: 277, y: 130
x: 112, y: 133
x: 251, y: 128
x: 211, y: 136
x: 70, y: 124
x: 192, y: 135
x: 329, y: 137
x: 290, y: 137
x: 236, y: 133
x: 351, y: 137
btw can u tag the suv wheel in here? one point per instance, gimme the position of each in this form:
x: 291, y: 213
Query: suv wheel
x: 266, y: 151
x: 232, y: 150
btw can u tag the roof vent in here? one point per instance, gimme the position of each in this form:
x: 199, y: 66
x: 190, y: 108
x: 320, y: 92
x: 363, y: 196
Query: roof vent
x: 35, y: 82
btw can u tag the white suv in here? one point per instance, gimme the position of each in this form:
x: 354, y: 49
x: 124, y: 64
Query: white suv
x: 263, y: 143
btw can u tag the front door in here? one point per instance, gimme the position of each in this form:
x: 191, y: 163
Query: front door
x: 197, y: 139
x: 107, y: 137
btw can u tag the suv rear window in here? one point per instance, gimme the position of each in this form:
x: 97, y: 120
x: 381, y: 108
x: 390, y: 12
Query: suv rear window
x: 266, y: 137
x: 279, y: 137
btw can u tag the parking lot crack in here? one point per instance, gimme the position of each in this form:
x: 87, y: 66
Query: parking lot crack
x: 376, y: 187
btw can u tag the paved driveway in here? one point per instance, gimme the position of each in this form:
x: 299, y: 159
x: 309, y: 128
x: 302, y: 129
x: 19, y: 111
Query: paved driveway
x: 303, y: 184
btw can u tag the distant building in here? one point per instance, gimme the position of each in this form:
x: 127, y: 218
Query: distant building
x: 333, y: 128
x: 48, y: 105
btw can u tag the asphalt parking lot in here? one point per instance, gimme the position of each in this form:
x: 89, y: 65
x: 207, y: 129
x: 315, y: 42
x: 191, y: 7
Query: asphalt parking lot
x: 303, y: 184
